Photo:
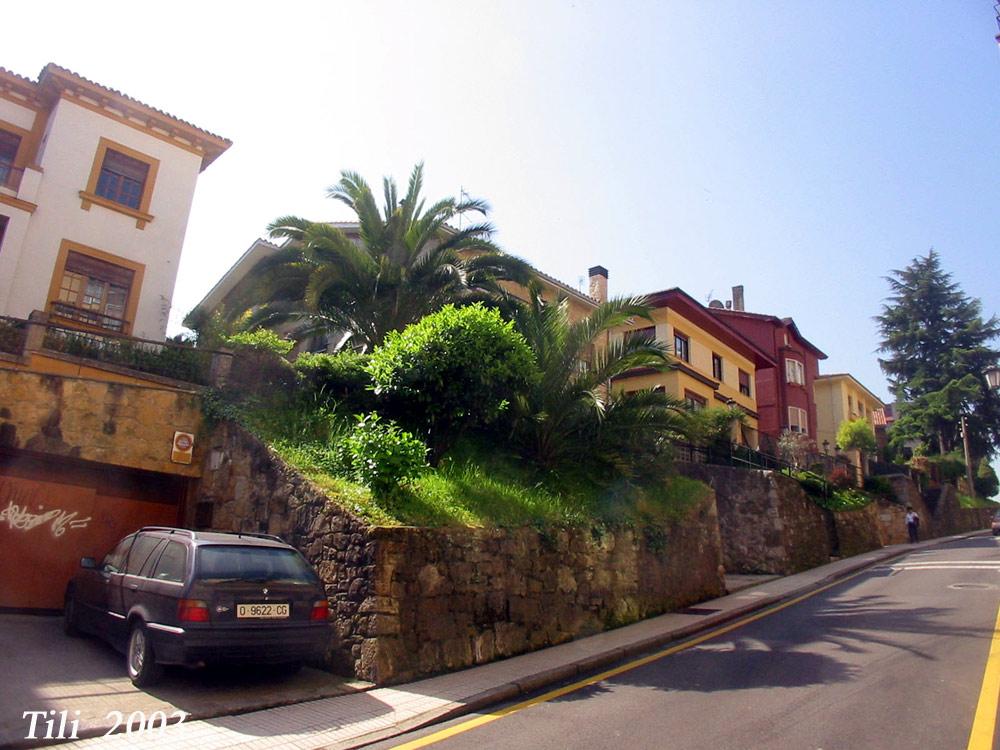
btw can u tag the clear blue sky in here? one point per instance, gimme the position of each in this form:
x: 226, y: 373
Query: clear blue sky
x: 802, y: 149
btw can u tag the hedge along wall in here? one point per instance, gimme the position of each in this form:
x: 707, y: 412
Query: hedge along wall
x: 411, y: 601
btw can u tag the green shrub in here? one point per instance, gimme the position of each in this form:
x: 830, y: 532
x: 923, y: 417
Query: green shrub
x: 985, y: 481
x: 261, y: 340
x: 856, y: 434
x: 950, y: 466
x: 453, y: 369
x: 380, y: 454
x: 342, y: 376
x: 879, y: 486
x: 840, y: 477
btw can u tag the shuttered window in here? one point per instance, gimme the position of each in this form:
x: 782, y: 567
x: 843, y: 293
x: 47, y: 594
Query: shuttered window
x: 122, y: 179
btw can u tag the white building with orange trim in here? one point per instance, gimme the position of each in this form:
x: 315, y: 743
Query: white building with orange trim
x: 95, y: 193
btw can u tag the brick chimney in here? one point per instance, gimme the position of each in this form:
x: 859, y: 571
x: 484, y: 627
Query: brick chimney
x: 738, y: 298
x: 599, y: 283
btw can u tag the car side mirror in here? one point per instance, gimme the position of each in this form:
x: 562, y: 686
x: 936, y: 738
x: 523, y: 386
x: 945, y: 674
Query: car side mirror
x: 88, y: 563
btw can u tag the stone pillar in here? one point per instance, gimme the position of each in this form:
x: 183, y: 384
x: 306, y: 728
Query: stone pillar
x: 222, y: 363
x: 34, y: 337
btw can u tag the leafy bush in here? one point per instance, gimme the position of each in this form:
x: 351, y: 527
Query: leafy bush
x: 714, y: 424
x: 856, y: 434
x: 342, y: 376
x: 261, y: 340
x: 840, y: 477
x: 879, y: 486
x: 948, y: 467
x: 985, y: 481
x: 381, y: 455
x: 454, y: 368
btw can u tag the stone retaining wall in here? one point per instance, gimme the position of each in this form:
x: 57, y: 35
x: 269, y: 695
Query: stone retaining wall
x: 768, y: 523
x: 408, y: 602
x: 451, y: 598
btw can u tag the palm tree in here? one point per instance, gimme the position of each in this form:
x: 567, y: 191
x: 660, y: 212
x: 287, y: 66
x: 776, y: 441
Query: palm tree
x: 406, y: 262
x: 571, y: 416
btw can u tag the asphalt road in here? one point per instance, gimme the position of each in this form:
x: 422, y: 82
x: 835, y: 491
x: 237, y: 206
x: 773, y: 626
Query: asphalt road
x: 894, y: 657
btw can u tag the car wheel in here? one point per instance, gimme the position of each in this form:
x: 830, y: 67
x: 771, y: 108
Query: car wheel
x: 71, y: 622
x: 140, y: 659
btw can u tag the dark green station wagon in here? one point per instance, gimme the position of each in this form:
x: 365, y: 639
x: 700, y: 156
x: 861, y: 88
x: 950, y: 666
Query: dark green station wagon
x: 174, y: 596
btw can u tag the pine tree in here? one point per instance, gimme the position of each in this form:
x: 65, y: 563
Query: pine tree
x: 937, y: 346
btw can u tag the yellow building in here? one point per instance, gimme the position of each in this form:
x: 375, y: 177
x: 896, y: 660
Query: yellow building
x: 840, y: 398
x: 715, y: 365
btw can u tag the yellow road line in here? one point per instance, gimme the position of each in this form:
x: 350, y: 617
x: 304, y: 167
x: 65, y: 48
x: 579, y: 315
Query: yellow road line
x: 984, y: 725
x: 479, y: 721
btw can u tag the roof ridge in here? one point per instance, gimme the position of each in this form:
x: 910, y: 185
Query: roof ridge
x: 53, y: 68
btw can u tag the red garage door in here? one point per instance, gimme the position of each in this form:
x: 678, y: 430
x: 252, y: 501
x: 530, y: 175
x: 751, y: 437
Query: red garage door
x: 52, y: 513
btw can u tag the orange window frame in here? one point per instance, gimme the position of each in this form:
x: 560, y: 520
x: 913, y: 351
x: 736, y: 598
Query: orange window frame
x: 90, y: 197
x: 138, y: 270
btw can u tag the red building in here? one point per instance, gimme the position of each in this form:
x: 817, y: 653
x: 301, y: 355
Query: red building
x: 785, y: 399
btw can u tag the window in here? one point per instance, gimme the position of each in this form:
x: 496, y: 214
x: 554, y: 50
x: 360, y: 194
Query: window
x: 115, y: 560
x: 694, y: 400
x: 798, y: 420
x: 850, y: 406
x: 121, y: 179
x: 645, y: 335
x: 795, y: 372
x: 745, y: 383
x: 3, y: 229
x: 682, y: 346
x: 94, y: 292
x: 716, y: 366
x: 95, y: 288
x: 9, y: 144
x: 142, y: 550
x: 172, y: 563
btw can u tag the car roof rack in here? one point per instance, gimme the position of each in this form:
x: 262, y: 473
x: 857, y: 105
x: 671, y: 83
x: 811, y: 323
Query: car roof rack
x: 258, y: 535
x: 169, y: 530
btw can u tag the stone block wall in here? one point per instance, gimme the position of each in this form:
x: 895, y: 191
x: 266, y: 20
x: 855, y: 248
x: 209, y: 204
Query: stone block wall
x: 858, y: 530
x: 94, y: 420
x: 245, y: 487
x: 408, y: 602
x: 767, y: 522
x: 453, y: 598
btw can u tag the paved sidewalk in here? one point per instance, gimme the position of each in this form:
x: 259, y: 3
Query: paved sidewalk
x: 353, y: 720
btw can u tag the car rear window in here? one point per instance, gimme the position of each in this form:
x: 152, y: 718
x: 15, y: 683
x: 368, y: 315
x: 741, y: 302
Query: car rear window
x: 253, y: 564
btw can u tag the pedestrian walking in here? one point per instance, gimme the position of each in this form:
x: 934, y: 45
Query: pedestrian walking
x: 912, y: 524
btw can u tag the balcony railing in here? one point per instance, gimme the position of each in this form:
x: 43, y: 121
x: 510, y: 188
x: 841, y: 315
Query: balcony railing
x: 88, y: 317
x: 169, y: 360
x: 10, y: 176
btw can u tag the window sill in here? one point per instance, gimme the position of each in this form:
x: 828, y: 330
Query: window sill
x: 141, y: 218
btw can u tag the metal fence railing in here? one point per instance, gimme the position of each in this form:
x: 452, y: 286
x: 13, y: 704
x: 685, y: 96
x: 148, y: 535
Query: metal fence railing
x: 165, y: 359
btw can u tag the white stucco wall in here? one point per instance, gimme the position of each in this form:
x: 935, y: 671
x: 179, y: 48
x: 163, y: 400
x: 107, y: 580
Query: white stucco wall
x: 67, y: 156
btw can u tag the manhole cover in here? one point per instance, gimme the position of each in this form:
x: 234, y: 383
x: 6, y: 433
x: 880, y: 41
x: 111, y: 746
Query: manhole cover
x: 972, y: 586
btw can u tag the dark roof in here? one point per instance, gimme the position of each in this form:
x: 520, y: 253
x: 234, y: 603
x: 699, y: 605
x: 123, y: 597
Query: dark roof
x: 774, y: 320
x: 680, y: 300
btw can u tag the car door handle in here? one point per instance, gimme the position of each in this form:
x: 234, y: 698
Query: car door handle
x: 134, y: 586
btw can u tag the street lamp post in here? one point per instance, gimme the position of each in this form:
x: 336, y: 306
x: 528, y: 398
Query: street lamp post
x: 968, y: 461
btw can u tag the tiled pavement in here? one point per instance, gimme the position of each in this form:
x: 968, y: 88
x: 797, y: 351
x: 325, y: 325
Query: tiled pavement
x: 357, y: 719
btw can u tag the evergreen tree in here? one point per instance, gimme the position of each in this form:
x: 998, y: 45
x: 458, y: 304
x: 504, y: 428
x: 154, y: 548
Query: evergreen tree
x: 936, y: 347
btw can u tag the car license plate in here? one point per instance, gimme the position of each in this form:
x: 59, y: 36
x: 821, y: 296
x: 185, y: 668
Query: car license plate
x: 261, y: 611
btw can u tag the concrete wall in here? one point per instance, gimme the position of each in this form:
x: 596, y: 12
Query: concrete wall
x: 93, y: 420
x: 410, y: 602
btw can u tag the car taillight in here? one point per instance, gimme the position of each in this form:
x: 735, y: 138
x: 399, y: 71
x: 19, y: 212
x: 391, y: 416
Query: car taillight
x: 320, y: 610
x: 192, y: 610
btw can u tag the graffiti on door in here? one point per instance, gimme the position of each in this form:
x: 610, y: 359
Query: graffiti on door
x: 16, y: 503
